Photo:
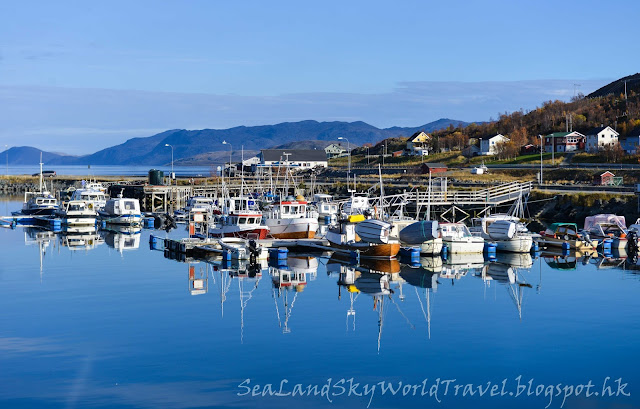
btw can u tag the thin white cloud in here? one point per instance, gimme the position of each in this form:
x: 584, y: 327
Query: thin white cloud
x: 80, y: 121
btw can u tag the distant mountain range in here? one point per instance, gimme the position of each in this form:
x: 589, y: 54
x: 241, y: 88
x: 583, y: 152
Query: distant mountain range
x: 201, y: 147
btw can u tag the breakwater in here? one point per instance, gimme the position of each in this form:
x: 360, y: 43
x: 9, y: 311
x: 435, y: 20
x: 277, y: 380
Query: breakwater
x: 574, y: 207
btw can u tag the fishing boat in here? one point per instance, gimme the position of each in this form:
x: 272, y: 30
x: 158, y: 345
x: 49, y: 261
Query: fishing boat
x: 241, y: 217
x: 607, y: 226
x: 292, y: 218
x: 424, y: 234
x: 375, y: 243
x: 77, y: 213
x: 40, y: 203
x: 121, y: 211
x: 507, y: 231
x: 559, y: 233
x: 458, y: 238
x: 327, y: 208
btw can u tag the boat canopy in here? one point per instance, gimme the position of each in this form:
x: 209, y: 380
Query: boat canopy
x: 591, y: 221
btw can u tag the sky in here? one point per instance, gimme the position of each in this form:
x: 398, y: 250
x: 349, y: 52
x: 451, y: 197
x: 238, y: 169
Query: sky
x: 78, y: 76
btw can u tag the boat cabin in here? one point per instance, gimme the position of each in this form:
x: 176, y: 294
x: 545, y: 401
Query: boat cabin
x: 240, y: 204
x: 95, y: 197
x: 122, y: 206
x: 455, y: 230
x: 44, y: 202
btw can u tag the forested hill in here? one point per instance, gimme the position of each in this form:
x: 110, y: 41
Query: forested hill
x: 608, y: 107
x: 618, y: 87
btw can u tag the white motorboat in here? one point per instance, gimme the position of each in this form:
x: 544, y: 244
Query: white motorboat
x: 122, y: 211
x: 458, y: 238
x: 508, y: 232
x: 77, y: 213
x: 40, y: 203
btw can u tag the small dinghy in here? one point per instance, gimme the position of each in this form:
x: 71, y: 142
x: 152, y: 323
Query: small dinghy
x: 419, y: 232
x: 373, y: 231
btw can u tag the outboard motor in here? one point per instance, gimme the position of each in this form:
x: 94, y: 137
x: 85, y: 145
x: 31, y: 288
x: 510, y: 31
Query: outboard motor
x: 254, y: 251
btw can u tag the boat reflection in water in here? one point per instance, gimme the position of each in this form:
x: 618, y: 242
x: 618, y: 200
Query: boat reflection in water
x: 122, y: 238
x: 425, y: 276
x: 41, y: 238
x: 80, y: 238
x: 457, y: 266
x: 372, y: 278
x: 567, y: 260
x: 290, y: 277
x: 508, y: 271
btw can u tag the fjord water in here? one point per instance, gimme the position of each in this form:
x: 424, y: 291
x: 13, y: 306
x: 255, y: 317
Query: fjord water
x: 95, y: 326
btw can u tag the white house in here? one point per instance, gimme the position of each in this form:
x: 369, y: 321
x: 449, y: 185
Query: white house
x: 488, y: 145
x: 335, y: 150
x: 598, y: 138
x: 293, y: 158
x: 418, y: 144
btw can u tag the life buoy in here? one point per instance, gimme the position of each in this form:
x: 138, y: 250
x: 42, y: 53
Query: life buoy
x: 90, y: 206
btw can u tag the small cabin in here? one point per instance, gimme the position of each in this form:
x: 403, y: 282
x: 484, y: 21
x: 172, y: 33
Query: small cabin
x: 427, y: 168
x: 606, y: 179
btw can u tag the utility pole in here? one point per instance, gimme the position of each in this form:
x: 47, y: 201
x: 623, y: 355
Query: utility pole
x: 540, y: 158
x: 574, y: 89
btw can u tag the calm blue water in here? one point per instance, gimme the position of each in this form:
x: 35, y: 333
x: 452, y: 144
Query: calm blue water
x: 106, y: 170
x: 113, y: 324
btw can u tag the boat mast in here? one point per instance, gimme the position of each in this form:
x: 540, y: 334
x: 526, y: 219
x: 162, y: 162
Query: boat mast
x: 381, y: 192
x: 41, y: 181
x: 429, y: 199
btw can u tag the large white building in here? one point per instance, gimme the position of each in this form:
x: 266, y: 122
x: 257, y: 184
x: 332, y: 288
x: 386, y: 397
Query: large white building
x: 294, y: 158
x: 599, y: 138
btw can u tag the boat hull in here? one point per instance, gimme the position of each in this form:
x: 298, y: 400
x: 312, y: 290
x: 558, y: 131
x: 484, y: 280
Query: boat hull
x: 433, y: 246
x: 518, y: 244
x: 374, y: 251
x: 125, y: 220
x: 255, y: 233
x: 573, y: 244
x: 36, y: 212
x: 464, y: 245
x: 79, y: 221
x: 302, y: 228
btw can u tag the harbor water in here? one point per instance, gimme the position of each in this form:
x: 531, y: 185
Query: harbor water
x: 108, y: 322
